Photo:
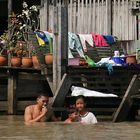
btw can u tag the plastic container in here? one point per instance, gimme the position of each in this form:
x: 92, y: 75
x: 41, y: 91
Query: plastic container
x: 119, y: 60
x: 131, y: 59
x: 116, y: 53
x: 73, y: 61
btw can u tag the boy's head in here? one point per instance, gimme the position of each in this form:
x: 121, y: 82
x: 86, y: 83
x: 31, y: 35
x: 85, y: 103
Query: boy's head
x: 80, y: 103
x: 42, y: 100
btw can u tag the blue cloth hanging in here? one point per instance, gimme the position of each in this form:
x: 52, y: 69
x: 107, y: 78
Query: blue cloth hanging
x: 42, y: 36
x: 109, y: 39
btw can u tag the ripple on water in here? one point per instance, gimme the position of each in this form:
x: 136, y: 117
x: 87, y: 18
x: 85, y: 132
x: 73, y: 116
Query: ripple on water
x: 13, y: 127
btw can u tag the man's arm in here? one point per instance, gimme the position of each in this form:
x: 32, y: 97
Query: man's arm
x: 28, y: 115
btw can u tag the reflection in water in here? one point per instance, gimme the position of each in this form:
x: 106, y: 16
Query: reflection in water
x: 13, y: 128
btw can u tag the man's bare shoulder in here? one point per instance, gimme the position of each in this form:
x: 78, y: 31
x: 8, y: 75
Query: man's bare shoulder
x: 30, y: 107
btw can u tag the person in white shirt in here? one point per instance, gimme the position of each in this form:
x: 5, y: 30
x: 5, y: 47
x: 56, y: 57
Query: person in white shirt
x: 81, y: 115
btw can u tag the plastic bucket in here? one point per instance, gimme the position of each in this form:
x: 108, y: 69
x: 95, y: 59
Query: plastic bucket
x: 119, y: 60
x: 131, y: 59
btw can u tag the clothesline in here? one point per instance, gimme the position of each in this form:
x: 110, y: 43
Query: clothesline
x: 78, y: 42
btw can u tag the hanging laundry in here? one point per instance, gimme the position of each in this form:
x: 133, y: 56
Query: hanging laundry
x: 74, y: 43
x: 48, y: 34
x: 40, y: 41
x: 70, y: 55
x: 99, y: 40
x: 107, y: 62
x: 42, y: 36
x: 50, y: 39
x: 86, y: 38
x: 109, y: 39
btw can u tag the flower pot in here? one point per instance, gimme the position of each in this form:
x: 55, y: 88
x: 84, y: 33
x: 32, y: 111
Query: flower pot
x: 131, y: 59
x: 16, y: 61
x: 27, y: 62
x: 49, y: 58
x: 3, y: 60
x: 36, y: 63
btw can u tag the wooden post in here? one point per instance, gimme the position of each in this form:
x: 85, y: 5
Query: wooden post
x: 63, y: 87
x: 48, y: 3
x: 9, y: 10
x: 60, y: 51
x: 126, y: 104
x: 12, y: 99
x: 109, y: 16
x: 10, y: 4
x: 64, y: 38
x: 55, y: 47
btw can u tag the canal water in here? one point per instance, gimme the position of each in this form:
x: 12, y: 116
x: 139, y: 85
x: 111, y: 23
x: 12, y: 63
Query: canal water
x: 13, y: 128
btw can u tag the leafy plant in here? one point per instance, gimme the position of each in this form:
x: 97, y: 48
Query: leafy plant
x: 16, y: 40
x: 3, y: 44
x: 29, y: 19
x: 29, y: 22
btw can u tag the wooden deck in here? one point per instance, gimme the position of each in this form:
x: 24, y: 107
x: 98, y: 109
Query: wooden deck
x: 20, y: 87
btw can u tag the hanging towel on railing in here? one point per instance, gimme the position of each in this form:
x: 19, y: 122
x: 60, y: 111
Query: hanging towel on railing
x: 86, y: 38
x: 41, y: 42
x: 50, y: 37
x: 99, y: 40
x: 109, y: 39
x: 74, y: 43
x: 48, y: 34
x: 41, y: 37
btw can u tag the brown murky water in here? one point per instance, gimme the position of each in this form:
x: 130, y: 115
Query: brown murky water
x: 13, y: 128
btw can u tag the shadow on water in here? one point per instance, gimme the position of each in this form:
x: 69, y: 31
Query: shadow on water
x: 13, y: 128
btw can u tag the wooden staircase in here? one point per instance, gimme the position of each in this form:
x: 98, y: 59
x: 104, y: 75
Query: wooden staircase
x: 97, y: 79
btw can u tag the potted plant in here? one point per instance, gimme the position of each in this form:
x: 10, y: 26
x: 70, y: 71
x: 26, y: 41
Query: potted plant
x: 49, y: 56
x: 29, y: 23
x: 3, y: 49
x: 35, y: 60
x: 27, y: 59
x: 15, y: 41
x: 16, y: 54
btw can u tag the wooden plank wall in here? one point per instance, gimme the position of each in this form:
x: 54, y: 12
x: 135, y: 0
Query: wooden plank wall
x: 86, y: 16
x: 124, y: 24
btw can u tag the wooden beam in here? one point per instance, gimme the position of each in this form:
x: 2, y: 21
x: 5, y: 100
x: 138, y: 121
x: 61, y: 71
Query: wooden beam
x: 55, y: 46
x: 64, y: 38
x: 48, y: 20
x: 29, y: 76
x: 12, y: 99
x: 21, y: 105
x: 3, y: 105
x: 47, y: 71
x: 62, y: 91
x: 125, y: 106
x: 10, y: 10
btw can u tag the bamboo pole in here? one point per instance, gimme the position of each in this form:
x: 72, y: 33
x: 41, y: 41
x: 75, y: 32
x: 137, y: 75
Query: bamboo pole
x: 10, y: 3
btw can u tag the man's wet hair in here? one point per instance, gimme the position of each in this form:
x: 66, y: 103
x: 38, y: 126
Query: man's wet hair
x: 42, y: 94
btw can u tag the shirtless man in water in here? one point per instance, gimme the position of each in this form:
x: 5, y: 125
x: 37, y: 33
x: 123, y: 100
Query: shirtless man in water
x: 37, y: 112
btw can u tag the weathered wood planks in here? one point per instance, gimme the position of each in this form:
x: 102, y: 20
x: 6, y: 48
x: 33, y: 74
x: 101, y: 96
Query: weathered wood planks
x: 15, y: 77
x: 100, y: 16
x: 126, y: 104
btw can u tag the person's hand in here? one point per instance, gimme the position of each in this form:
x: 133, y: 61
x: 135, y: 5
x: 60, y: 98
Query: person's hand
x: 44, y: 110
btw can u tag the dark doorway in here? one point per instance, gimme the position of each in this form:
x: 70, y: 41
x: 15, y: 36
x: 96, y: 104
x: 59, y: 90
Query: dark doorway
x: 3, y: 16
x: 17, y: 4
x: 16, y: 8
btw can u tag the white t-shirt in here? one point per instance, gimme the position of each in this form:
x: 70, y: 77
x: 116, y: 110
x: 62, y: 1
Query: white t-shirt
x: 88, y: 118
